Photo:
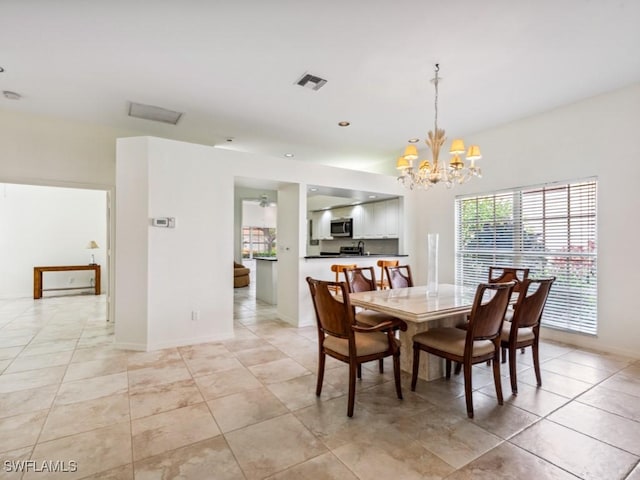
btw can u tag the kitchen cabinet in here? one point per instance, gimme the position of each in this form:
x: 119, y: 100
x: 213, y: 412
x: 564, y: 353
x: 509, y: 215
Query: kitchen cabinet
x: 360, y: 221
x: 321, y: 225
x: 392, y: 218
x: 376, y: 220
x: 340, y: 213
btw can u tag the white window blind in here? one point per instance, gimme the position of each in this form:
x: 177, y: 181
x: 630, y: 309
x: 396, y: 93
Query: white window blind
x: 551, y: 230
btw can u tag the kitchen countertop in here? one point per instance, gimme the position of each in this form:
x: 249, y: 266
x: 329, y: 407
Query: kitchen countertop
x: 346, y: 255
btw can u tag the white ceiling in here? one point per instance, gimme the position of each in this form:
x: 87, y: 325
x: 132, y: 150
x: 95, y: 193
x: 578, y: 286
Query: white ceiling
x: 230, y: 66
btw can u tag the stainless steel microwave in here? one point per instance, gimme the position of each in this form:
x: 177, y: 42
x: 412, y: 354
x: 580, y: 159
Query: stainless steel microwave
x: 341, y: 227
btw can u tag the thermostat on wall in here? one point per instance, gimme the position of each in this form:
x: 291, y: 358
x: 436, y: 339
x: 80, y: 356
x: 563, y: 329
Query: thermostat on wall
x: 167, y: 222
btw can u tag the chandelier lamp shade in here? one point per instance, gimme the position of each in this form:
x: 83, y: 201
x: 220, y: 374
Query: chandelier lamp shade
x: 434, y: 171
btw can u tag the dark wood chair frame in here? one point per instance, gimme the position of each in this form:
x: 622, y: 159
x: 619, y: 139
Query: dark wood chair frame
x: 527, y: 314
x: 485, y: 323
x: 363, y: 279
x: 335, y: 317
x: 399, y: 276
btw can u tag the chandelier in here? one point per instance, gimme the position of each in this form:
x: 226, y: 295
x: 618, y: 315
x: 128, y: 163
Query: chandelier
x: 431, y: 173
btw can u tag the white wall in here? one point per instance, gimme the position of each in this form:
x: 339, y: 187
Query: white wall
x: 44, y: 226
x: 595, y: 137
x: 253, y: 215
x: 186, y: 267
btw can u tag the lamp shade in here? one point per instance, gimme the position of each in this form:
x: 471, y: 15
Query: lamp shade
x: 92, y: 244
x: 403, y: 163
x: 410, y: 152
x: 457, y: 147
x: 474, y: 153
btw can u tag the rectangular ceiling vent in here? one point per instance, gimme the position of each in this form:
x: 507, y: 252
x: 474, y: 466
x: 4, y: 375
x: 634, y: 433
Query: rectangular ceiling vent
x: 157, y: 114
x: 311, y: 81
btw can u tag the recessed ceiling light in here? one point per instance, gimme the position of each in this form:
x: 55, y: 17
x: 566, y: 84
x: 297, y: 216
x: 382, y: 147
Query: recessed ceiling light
x: 414, y: 140
x: 288, y: 155
x: 344, y: 124
x: 11, y: 95
x: 313, y: 189
x: 229, y: 139
x: 373, y: 196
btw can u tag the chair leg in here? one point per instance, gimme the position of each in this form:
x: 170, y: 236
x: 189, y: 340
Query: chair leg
x: 416, y: 365
x: 396, y: 375
x: 536, y: 361
x: 504, y: 355
x: 381, y: 365
x: 352, y: 387
x: 320, y: 373
x: 447, y: 369
x: 458, y: 368
x: 468, y: 392
x: 496, y: 377
x: 512, y: 371
x: 359, y: 371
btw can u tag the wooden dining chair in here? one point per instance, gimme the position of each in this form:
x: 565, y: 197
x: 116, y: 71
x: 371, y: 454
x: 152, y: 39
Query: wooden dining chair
x: 383, y: 282
x: 399, y: 276
x: 500, y: 275
x: 338, y: 269
x: 479, y: 343
x: 524, y: 328
x: 340, y: 337
x: 508, y: 274
x: 363, y: 279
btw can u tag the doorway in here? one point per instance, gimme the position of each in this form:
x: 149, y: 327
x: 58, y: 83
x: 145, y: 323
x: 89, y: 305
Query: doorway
x: 49, y: 226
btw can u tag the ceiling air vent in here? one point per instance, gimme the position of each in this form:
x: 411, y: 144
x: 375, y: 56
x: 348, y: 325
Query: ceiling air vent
x: 157, y: 114
x: 311, y: 81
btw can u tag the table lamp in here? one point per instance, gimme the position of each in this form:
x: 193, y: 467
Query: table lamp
x: 92, y: 246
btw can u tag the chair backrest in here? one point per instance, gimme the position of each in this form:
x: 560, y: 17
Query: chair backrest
x: 333, y: 316
x: 383, y: 264
x: 360, y: 279
x: 399, y: 276
x: 487, y: 315
x: 531, y: 302
x: 508, y: 274
x: 337, y: 268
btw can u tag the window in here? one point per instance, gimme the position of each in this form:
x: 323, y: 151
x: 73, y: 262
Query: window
x: 258, y: 242
x: 551, y: 230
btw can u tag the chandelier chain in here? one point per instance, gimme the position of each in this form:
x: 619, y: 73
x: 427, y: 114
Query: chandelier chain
x: 435, y: 83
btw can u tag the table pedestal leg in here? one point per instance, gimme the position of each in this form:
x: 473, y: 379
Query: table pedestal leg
x: 431, y: 367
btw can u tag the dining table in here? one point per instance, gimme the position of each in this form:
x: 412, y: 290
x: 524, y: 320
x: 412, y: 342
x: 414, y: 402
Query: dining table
x: 446, y: 306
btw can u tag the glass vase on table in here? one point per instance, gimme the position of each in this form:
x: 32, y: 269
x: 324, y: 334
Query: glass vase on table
x: 432, y: 264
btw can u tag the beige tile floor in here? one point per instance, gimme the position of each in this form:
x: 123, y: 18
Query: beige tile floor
x: 246, y: 408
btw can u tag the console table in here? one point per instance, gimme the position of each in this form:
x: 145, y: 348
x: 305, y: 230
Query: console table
x: 37, y: 278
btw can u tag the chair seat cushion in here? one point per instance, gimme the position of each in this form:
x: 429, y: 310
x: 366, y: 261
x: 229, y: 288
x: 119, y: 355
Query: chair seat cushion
x: 524, y: 334
x: 371, y: 319
x: 366, y: 344
x: 452, y: 340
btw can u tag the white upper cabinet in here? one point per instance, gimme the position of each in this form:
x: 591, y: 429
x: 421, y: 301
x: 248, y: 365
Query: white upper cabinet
x: 340, y: 213
x: 377, y: 220
x: 370, y: 220
x: 392, y: 218
x: 321, y: 225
